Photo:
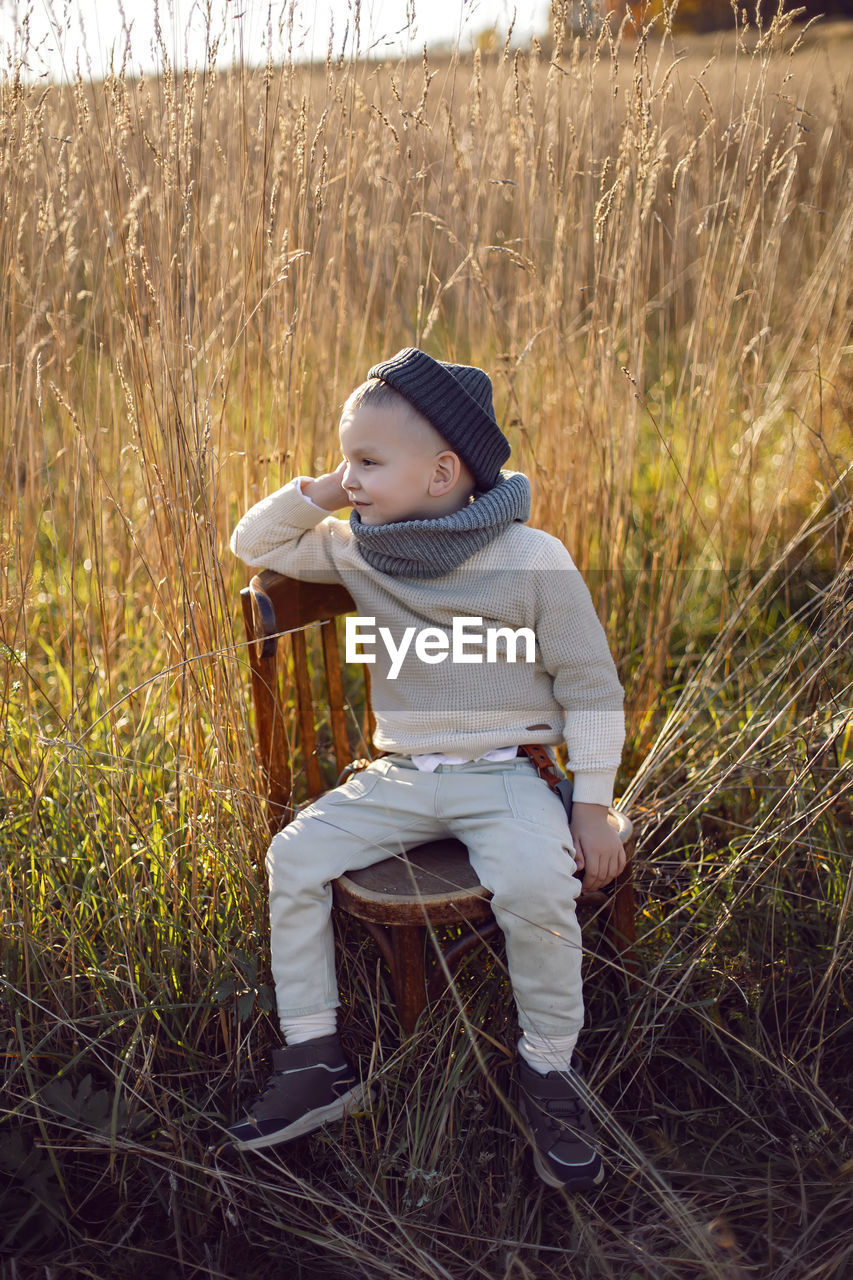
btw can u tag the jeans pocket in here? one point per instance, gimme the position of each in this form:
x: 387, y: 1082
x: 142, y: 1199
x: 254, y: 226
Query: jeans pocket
x: 357, y: 787
x: 531, y: 800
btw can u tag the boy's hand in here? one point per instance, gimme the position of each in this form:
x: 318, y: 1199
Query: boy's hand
x: 598, y: 849
x: 327, y: 491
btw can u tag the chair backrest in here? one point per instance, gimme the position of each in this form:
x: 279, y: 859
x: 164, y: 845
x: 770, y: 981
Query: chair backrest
x: 276, y: 611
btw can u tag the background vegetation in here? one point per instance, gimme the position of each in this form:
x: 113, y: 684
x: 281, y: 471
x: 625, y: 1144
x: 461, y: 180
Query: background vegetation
x: 646, y: 240
x: 717, y: 15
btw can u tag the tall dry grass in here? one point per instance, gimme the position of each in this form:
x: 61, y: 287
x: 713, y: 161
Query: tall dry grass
x: 648, y: 247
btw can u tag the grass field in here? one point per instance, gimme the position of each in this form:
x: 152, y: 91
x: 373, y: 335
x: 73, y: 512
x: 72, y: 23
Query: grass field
x: 646, y: 239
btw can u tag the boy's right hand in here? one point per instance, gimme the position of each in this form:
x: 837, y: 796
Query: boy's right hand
x: 327, y: 491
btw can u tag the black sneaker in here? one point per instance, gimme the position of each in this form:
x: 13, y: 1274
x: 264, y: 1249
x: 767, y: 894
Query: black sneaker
x: 564, y: 1151
x: 311, y: 1084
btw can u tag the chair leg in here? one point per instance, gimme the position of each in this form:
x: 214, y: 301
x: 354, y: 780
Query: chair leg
x: 408, y: 972
x: 621, y: 926
x: 403, y: 949
x: 456, y: 952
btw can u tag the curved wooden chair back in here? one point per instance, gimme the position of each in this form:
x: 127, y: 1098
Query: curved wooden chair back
x: 398, y: 900
x: 276, y: 612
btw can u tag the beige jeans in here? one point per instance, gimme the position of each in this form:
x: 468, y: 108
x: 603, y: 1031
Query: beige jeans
x: 519, y: 844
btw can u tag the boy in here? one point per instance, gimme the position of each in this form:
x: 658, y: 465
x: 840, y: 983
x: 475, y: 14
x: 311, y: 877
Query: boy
x: 436, y: 538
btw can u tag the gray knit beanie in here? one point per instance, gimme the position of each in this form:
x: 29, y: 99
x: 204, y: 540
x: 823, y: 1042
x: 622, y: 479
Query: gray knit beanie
x: 457, y: 400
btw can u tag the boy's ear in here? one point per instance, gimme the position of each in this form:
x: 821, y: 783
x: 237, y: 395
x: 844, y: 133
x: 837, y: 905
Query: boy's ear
x: 446, y: 470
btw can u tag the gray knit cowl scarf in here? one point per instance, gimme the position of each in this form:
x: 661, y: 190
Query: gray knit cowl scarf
x: 430, y: 548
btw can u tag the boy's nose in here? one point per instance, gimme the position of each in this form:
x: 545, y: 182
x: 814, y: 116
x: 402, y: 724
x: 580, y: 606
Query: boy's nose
x: 347, y: 479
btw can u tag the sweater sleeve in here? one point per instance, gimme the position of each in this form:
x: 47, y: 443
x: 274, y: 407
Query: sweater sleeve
x: 574, y: 649
x: 292, y: 535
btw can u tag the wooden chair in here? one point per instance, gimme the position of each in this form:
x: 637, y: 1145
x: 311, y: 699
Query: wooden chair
x: 398, y: 900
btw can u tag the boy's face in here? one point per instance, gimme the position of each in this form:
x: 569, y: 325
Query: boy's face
x: 391, y: 458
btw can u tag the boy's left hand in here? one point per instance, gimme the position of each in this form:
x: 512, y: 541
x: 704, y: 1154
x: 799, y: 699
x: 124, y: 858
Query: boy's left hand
x: 598, y: 850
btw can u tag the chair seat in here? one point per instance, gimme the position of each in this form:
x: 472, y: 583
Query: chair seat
x: 433, y: 880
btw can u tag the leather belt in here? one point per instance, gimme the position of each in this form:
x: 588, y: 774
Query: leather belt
x: 544, y: 766
x: 542, y: 761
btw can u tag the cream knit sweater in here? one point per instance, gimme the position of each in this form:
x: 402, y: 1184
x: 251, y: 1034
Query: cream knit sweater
x: 522, y: 578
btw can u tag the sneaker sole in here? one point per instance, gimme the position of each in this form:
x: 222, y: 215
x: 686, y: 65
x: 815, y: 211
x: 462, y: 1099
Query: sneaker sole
x: 312, y: 1120
x: 584, y: 1184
